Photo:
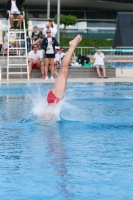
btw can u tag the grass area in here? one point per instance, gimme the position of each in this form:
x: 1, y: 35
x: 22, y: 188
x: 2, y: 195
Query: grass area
x: 88, y: 42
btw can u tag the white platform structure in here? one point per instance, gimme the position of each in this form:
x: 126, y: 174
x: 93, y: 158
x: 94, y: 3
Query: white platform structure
x: 17, y: 54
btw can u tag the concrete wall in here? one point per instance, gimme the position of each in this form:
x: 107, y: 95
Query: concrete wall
x: 74, y: 72
x: 77, y: 72
x: 124, y: 72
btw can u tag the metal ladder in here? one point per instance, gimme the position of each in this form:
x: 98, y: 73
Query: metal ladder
x: 20, y: 57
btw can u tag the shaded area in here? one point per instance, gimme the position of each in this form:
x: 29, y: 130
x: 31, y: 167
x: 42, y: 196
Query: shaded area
x: 124, y: 30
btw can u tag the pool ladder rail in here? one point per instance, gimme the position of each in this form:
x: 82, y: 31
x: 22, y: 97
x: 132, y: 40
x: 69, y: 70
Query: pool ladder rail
x: 20, y: 53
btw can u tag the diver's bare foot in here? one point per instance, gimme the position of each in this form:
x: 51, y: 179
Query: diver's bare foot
x: 73, y: 43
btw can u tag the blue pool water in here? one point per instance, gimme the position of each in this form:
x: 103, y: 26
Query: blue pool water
x: 127, y: 65
x: 86, y: 153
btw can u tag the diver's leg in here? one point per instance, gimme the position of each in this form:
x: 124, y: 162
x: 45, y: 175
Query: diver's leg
x: 61, y: 81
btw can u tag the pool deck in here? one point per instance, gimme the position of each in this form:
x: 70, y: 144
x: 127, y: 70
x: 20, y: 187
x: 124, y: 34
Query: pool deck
x: 70, y: 80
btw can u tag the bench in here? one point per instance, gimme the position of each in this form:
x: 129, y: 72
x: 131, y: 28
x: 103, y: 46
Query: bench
x: 89, y: 72
x: 74, y: 71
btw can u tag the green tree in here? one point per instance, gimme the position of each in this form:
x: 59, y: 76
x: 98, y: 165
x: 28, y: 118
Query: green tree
x: 26, y: 17
x: 66, y: 20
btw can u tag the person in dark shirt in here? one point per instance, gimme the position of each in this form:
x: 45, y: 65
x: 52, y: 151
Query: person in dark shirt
x: 48, y: 44
x: 13, y: 9
x: 28, y: 41
x: 36, y: 36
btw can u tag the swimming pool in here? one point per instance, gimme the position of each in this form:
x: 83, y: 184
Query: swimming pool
x: 86, y: 154
x: 122, y: 65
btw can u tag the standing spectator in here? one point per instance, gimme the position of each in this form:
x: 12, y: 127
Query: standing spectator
x: 35, y: 60
x: 36, y: 36
x: 48, y: 44
x: 14, y: 8
x: 49, y: 26
x: 99, y: 63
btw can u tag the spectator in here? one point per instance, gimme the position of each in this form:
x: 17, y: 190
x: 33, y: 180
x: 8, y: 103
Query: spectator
x: 36, y: 36
x: 99, y: 63
x: 56, y: 61
x: 12, y: 41
x: 28, y: 41
x: 35, y: 60
x: 14, y: 8
x: 48, y: 44
x: 49, y: 26
x: 62, y: 54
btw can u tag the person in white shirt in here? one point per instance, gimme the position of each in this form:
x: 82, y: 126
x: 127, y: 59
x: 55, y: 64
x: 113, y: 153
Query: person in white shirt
x: 57, y: 55
x: 49, y: 26
x: 62, y: 54
x: 35, y: 60
x: 99, y: 63
x: 48, y: 44
x: 12, y: 41
x: 12, y: 38
x: 14, y: 8
x: 56, y: 61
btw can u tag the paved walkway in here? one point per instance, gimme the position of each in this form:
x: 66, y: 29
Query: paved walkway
x: 70, y: 80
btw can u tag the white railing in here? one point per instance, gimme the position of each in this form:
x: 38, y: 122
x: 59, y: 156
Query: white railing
x: 83, y: 50
x: 119, y: 54
x: 122, y: 56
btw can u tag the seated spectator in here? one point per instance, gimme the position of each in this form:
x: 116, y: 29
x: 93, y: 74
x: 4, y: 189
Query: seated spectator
x: 14, y: 8
x: 99, y: 63
x: 49, y: 26
x: 28, y: 41
x: 48, y: 44
x: 0, y: 47
x: 62, y: 54
x: 35, y: 60
x: 36, y: 36
x: 12, y: 41
x: 56, y: 61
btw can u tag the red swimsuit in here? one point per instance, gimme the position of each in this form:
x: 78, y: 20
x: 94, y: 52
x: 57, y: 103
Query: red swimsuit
x: 51, y: 98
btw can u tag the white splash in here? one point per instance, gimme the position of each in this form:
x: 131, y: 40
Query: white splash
x: 62, y: 110
x: 73, y: 113
x: 39, y: 107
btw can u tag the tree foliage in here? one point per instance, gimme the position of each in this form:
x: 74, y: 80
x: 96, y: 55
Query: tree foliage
x: 66, y: 20
x: 86, y: 42
x: 26, y: 17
